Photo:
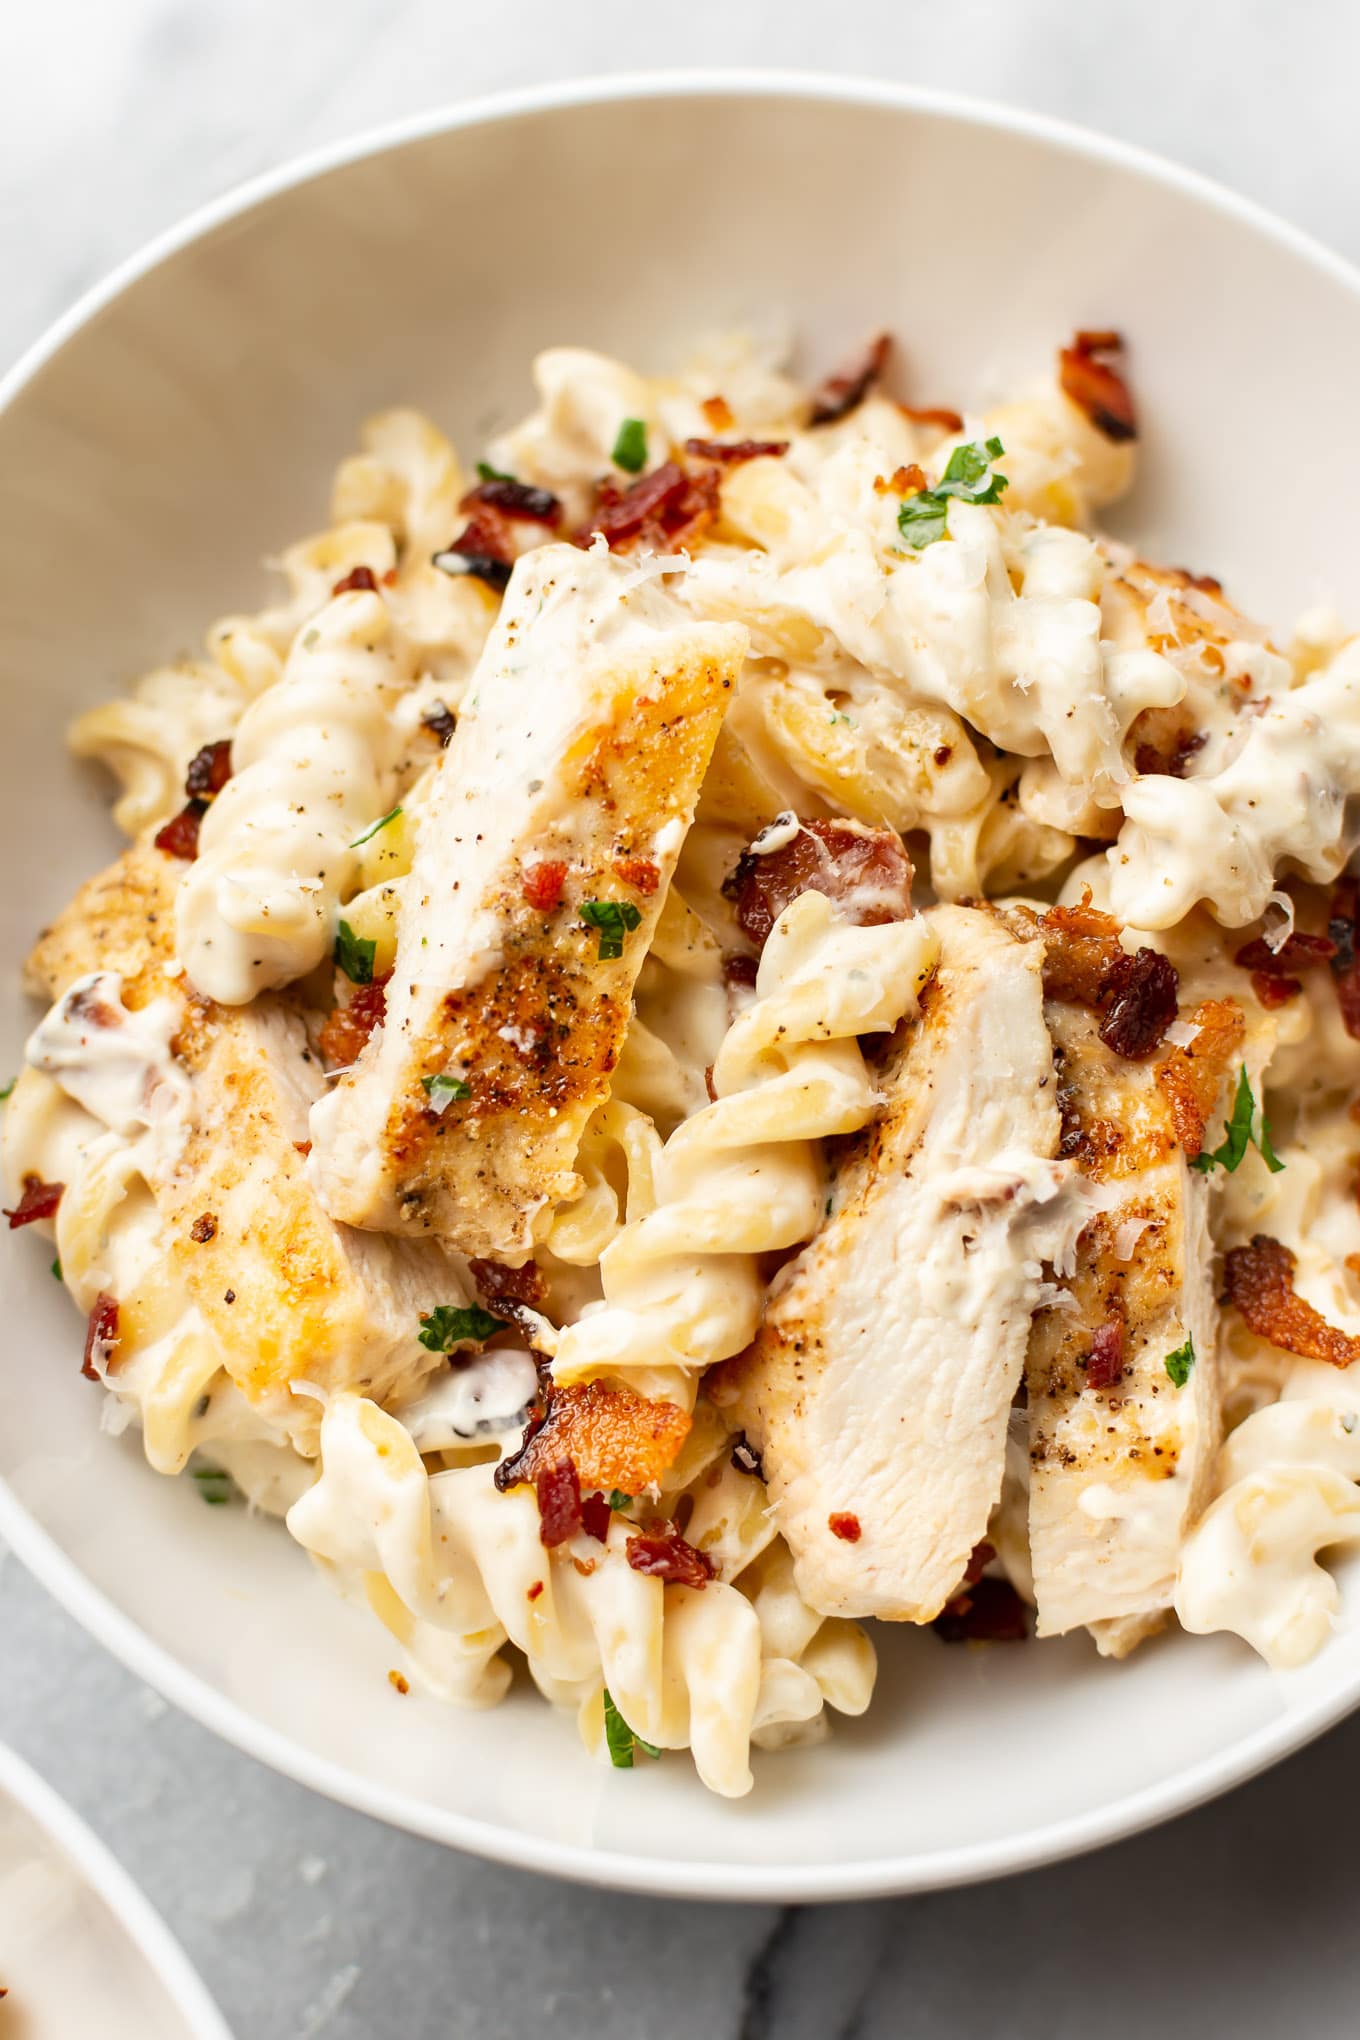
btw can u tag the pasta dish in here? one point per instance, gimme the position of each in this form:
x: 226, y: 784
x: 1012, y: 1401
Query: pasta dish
x: 730, y: 1026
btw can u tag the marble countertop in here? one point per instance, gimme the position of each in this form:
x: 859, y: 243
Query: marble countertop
x: 306, y: 1919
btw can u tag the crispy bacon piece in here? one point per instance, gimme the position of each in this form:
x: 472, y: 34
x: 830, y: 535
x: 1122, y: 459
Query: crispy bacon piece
x: 739, y: 969
x: 485, y: 548
x: 662, y: 1553
x: 37, y: 1200
x: 845, y: 1525
x: 1080, y: 947
x: 731, y: 452
x: 1341, y: 927
x: 209, y: 770
x: 1272, y: 970
x: 1106, y: 1364
x: 100, y: 1334
x: 661, y: 511
x: 978, y: 1562
x: 718, y: 412
x: 595, y: 1515
x: 440, y: 722
x: 1164, y: 742
x: 616, y: 1438
x: 851, y: 382
x: 903, y: 481
x: 516, y: 499
x: 947, y: 420
x: 867, y: 870
x: 203, y: 1229
x: 1095, y: 386
x: 543, y: 884
x: 1189, y: 1078
x: 989, y: 1611
x: 179, y: 836
x: 499, y: 1284
x: 559, y: 1503
x: 1142, y: 992
x: 348, y: 1027
x: 1260, y: 1282
x: 642, y: 873
x: 359, y: 580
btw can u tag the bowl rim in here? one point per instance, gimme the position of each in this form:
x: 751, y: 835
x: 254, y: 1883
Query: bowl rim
x: 99, y: 1869
x: 888, y: 1876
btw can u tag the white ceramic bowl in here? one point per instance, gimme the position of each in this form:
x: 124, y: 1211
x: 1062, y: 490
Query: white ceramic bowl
x: 81, y: 1951
x: 182, y: 423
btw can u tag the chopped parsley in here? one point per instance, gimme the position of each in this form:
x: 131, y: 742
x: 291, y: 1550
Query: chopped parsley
x: 455, y: 1324
x: 1179, y: 1363
x: 7, y: 1090
x: 619, y: 1500
x: 487, y: 473
x: 56, y: 1268
x: 215, y: 1486
x: 1239, y: 1136
x: 630, y: 448
x: 623, y: 1744
x: 354, y: 955
x: 614, y: 919
x: 371, y: 831
x: 442, y: 1089
x: 969, y: 478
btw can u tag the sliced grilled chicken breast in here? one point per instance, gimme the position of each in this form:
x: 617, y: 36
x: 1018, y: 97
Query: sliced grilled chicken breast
x: 879, y: 1387
x: 291, y: 1295
x: 542, y: 862
x: 1122, y: 1374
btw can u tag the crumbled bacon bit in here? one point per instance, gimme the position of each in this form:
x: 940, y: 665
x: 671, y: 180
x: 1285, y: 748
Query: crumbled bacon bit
x: 615, y: 1437
x: 559, y: 1503
x: 179, y: 836
x: 303, y: 1147
x: 730, y: 452
x: 348, y: 1027
x: 501, y: 1285
x: 595, y: 1516
x: 439, y: 722
x: 100, y: 1334
x: 662, y: 1554
x: 1272, y: 970
x: 358, y: 581
x: 745, y: 1458
x: 980, y: 1558
x: 543, y: 883
x: 1095, y: 386
x: 399, y: 1682
x: 1106, y: 1364
x: 1260, y: 1282
x: 660, y: 511
x: 516, y: 499
x: 903, y: 481
x: 209, y: 770
x: 739, y: 969
x: 485, y: 548
x: 534, y: 1591
x: 642, y: 873
x: 866, y: 870
x: 1163, y: 742
x: 844, y: 1525
x: 935, y: 414
x: 1142, y: 991
x: 1341, y: 927
x: 1189, y: 1078
x: 718, y: 413
x: 37, y: 1200
x: 203, y: 1229
x: 990, y: 1611
x: 851, y: 383
x: 1275, y: 991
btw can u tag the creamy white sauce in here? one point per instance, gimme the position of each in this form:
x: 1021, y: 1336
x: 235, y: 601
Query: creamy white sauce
x: 477, y: 1398
x: 119, y: 1065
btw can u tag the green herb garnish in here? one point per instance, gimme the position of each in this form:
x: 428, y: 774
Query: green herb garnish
x: 623, y: 1744
x: 969, y: 478
x: 614, y: 919
x: 56, y: 1269
x: 486, y: 473
x: 215, y: 1486
x: 371, y: 831
x: 630, y: 448
x: 8, y: 1089
x: 1179, y: 1363
x: 442, y: 1089
x: 1239, y: 1136
x: 619, y: 1500
x: 354, y: 955
x: 455, y: 1324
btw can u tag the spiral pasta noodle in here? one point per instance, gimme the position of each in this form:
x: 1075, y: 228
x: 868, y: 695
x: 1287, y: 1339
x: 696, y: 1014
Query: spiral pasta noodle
x: 682, y: 1285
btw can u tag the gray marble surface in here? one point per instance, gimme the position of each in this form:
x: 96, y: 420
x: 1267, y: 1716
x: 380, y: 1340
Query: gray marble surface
x: 116, y: 116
